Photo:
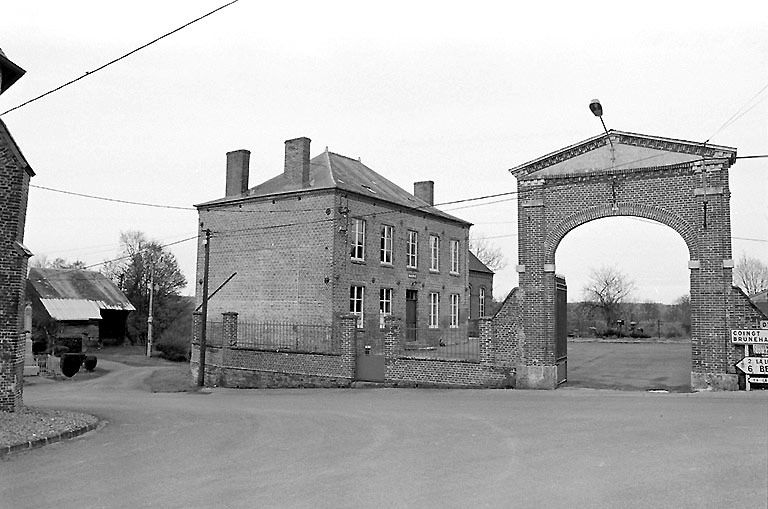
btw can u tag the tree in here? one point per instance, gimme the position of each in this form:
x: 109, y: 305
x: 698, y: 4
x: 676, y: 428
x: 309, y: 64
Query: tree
x: 486, y: 252
x: 42, y: 262
x: 143, y: 260
x: 751, y: 275
x: 606, y: 289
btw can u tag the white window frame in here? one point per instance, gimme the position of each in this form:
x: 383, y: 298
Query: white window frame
x: 434, y: 310
x: 357, y: 304
x: 412, y: 249
x: 385, y: 304
x: 358, y: 240
x: 454, y: 257
x: 454, y: 311
x: 434, y: 253
x: 386, y: 244
x: 481, y: 308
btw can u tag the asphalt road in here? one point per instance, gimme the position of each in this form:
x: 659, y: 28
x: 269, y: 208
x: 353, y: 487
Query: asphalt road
x: 393, y: 448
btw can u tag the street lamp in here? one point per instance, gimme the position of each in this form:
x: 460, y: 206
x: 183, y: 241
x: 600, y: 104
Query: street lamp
x: 597, y: 110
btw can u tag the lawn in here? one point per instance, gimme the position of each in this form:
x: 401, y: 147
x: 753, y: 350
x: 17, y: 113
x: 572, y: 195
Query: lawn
x: 630, y: 366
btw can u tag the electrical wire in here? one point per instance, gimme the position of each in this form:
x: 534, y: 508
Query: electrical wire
x: 139, y: 251
x: 739, y: 113
x: 116, y: 200
x: 89, y: 73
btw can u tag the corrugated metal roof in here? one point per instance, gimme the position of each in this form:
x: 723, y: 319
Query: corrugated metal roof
x: 72, y: 309
x: 78, y: 285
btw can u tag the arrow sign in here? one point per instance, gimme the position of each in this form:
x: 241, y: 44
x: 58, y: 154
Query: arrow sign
x: 749, y: 336
x: 753, y: 365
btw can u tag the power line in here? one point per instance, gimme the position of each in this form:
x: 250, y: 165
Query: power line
x: 140, y: 251
x: 88, y: 73
x: 116, y: 200
x: 739, y: 113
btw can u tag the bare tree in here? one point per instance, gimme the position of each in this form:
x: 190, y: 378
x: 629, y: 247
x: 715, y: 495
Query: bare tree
x: 751, y: 275
x: 42, y: 262
x: 606, y: 290
x: 486, y: 252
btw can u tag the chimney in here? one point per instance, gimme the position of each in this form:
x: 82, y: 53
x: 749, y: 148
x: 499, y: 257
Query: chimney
x: 425, y: 191
x: 297, y: 161
x: 237, y: 172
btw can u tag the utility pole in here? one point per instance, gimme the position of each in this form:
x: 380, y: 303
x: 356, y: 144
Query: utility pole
x: 149, y: 316
x: 204, y: 324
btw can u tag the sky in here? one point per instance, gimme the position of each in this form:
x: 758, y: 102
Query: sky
x: 456, y: 93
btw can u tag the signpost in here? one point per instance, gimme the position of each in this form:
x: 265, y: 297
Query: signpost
x: 755, y: 368
x: 754, y: 365
x: 749, y: 336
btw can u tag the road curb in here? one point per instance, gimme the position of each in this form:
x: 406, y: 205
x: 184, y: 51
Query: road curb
x: 40, y: 442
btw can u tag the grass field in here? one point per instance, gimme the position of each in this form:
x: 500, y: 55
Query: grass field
x: 630, y: 366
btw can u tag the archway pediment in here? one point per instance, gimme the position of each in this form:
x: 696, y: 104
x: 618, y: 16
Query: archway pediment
x: 619, y: 151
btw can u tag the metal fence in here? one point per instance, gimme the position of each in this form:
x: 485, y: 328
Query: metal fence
x: 287, y: 336
x: 443, y: 343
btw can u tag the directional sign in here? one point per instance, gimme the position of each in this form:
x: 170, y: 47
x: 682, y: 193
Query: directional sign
x: 758, y: 379
x: 764, y: 324
x: 754, y: 365
x: 749, y: 336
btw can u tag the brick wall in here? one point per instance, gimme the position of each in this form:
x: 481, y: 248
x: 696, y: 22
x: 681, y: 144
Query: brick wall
x: 282, y: 250
x: 232, y: 366
x: 373, y: 275
x: 673, y: 195
x: 14, y: 185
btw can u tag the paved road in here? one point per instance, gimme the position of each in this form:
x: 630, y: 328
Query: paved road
x: 394, y: 448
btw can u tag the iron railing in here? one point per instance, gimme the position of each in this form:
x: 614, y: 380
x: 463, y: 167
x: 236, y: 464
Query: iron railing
x: 441, y: 343
x: 287, y: 336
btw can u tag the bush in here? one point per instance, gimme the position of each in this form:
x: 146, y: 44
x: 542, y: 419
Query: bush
x: 174, y: 351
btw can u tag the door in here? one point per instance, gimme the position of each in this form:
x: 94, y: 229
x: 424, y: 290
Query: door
x: 371, y: 365
x: 561, y: 329
x: 411, y: 301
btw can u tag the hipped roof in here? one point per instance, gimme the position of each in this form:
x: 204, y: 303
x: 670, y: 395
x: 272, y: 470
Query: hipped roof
x: 334, y: 171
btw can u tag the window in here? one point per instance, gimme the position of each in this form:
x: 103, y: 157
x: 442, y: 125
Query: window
x: 454, y: 310
x: 356, y: 297
x: 434, y: 310
x: 412, y: 253
x: 455, y: 256
x: 385, y: 305
x: 358, y: 240
x: 482, y: 302
x: 386, y: 244
x: 434, y: 253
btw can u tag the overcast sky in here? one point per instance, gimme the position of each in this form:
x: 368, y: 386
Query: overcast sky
x: 457, y: 94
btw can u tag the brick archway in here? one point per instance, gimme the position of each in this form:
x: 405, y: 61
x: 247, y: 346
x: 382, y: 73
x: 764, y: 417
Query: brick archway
x: 681, y: 184
x: 685, y: 230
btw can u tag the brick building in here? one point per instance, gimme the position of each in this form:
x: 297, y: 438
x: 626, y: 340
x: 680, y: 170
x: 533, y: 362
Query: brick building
x: 330, y: 236
x: 15, y: 173
x: 480, y: 291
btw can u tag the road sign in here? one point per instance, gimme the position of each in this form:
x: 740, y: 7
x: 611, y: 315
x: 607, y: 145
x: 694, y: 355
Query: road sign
x: 749, y: 336
x: 754, y: 365
x: 758, y: 379
x: 764, y: 324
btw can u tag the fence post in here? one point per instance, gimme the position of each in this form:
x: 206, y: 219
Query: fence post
x: 345, y: 330
x: 392, y: 337
x: 487, y: 350
x: 229, y: 329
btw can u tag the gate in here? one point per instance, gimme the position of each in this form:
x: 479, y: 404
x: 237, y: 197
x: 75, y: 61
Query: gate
x: 370, y: 357
x: 561, y: 329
